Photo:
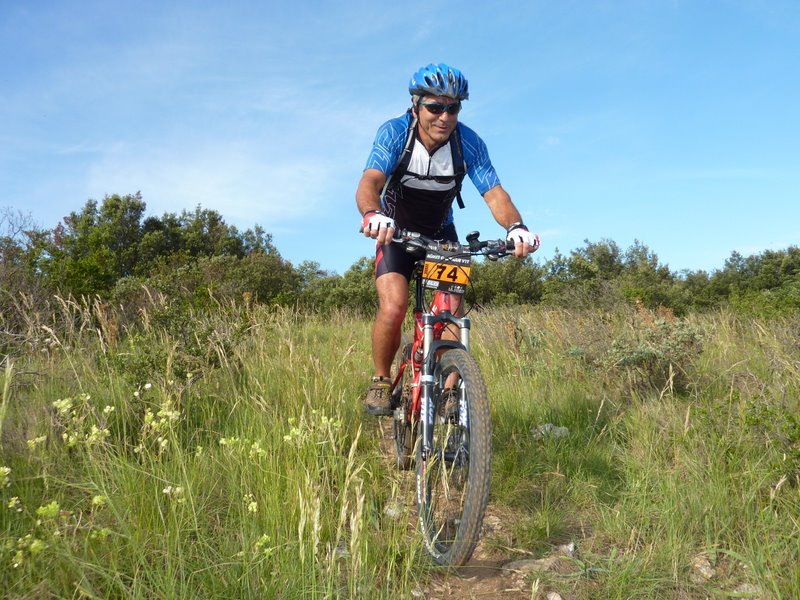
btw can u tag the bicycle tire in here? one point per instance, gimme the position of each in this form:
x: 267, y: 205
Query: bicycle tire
x: 404, y: 430
x: 453, y: 481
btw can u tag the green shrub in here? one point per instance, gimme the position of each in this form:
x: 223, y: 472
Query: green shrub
x: 656, y: 354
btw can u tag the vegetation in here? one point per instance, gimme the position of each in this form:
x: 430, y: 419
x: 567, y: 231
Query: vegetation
x: 224, y: 455
x: 112, y: 250
x: 180, y: 417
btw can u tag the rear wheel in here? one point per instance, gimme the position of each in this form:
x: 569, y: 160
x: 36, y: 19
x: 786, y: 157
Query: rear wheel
x: 453, y: 480
x: 403, y: 428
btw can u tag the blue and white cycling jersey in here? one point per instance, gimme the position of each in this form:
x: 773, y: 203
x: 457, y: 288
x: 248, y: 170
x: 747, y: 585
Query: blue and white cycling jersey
x: 423, y: 198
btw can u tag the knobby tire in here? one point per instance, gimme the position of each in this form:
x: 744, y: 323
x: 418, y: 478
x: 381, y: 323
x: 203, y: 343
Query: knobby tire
x: 453, y: 481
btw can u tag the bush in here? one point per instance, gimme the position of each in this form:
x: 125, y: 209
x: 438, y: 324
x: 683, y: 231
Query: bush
x: 657, y: 354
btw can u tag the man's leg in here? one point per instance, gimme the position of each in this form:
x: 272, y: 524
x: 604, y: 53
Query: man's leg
x: 452, y: 332
x: 392, y: 306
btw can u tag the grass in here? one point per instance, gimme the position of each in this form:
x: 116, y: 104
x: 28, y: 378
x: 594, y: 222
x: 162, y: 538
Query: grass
x: 226, y: 455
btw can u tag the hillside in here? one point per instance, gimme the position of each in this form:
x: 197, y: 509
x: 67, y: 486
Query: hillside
x: 224, y: 454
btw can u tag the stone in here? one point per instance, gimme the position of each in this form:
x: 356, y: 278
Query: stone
x: 548, y: 430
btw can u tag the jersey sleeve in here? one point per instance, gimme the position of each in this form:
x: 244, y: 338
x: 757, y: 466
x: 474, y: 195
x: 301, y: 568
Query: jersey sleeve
x: 388, y: 145
x: 479, y: 166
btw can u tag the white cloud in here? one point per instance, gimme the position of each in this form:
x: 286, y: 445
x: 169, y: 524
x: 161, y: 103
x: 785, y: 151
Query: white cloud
x: 239, y: 181
x: 422, y: 32
x: 551, y: 140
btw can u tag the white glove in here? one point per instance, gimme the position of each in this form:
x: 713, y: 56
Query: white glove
x: 375, y: 220
x: 519, y: 234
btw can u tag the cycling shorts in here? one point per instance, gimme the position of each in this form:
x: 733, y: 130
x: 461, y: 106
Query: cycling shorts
x: 393, y: 258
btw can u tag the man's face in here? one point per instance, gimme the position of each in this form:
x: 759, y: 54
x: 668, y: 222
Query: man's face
x: 435, y: 129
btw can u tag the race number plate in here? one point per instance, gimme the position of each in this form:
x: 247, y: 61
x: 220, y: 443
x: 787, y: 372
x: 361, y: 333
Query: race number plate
x: 446, y: 272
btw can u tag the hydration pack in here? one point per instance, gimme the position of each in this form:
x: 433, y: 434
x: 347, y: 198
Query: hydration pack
x: 459, y: 167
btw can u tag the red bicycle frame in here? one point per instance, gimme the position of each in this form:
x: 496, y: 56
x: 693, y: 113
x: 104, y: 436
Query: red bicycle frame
x: 428, y: 328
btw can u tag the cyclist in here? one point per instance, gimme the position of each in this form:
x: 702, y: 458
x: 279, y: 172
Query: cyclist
x: 412, y: 176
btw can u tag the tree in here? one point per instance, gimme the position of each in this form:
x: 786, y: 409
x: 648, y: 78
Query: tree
x: 507, y: 281
x: 102, y: 244
x: 644, y: 278
x: 598, y: 260
x: 324, y: 290
x: 22, y: 244
x: 18, y: 237
x: 694, y: 290
x: 589, y: 277
x: 162, y: 239
x: 95, y: 247
x: 205, y: 233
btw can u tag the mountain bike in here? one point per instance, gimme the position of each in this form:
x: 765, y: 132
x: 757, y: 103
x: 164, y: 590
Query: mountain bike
x: 441, y: 416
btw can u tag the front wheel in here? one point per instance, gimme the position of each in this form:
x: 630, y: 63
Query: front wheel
x: 453, y: 479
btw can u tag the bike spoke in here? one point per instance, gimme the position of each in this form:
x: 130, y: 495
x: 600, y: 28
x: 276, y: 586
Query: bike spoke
x: 453, y: 491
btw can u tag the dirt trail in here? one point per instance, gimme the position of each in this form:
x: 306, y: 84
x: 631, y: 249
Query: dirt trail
x: 489, y: 573
x: 485, y: 576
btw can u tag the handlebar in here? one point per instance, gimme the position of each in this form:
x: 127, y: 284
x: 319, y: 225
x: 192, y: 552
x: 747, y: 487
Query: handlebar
x: 492, y: 249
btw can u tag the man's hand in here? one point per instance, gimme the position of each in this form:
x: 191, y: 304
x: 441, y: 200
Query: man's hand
x: 377, y: 225
x: 525, y: 242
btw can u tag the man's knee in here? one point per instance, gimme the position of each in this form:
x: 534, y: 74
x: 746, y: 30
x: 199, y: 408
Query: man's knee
x: 392, y: 298
x: 392, y: 313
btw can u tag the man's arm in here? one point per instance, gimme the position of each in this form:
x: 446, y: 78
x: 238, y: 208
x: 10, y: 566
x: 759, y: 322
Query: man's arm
x: 368, y: 194
x: 368, y: 200
x: 503, y: 209
x: 506, y: 214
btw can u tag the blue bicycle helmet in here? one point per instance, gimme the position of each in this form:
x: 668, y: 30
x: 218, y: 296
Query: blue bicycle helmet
x: 439, y: 80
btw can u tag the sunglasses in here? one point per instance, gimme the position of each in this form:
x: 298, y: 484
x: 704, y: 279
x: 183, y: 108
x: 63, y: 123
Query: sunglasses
x: 437, y: 108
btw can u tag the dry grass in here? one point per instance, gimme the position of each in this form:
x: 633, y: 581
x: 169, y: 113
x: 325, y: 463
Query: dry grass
x: 225, y: 455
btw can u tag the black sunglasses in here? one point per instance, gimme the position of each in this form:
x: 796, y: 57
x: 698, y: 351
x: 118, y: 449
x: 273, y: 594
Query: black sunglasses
x: 437, y: 108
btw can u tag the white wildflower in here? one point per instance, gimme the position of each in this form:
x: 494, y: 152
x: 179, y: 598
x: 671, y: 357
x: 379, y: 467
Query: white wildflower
x: 250, y: 502
x: 36, y: 442
x: 5, y: 476
x: 175, y: 493
x: 63, y: 406
x: 97, y: 435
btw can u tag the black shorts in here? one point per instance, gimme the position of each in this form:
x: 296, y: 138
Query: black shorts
x: 393, y: 258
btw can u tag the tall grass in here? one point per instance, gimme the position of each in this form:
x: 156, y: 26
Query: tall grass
x: 650, y: 479
x: 226, y: 455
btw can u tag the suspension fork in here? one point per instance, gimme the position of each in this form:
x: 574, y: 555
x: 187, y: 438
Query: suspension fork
x: 431, y: 349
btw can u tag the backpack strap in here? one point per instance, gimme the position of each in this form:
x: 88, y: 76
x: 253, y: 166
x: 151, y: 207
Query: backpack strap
x: 405, y: 156
x: 459, y: 166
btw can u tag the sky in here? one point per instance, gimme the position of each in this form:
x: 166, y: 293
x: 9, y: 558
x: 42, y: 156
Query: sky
x: 673, y: 123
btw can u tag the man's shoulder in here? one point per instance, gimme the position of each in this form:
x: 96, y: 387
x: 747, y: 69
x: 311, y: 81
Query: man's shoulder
x: 468, y: 134
x: 396, y: 125
x: 472, y: 144
x: 388, y: 145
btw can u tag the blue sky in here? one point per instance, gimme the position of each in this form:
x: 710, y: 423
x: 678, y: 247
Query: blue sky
x: 674, y: 123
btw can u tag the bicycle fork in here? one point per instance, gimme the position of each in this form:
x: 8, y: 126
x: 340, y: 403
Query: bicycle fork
x: 431, y: 348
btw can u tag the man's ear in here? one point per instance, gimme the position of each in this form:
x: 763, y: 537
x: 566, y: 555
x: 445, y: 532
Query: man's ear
x: 414, y: 102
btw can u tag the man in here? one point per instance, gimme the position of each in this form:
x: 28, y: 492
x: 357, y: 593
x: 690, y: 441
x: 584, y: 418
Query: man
x: 412, y: 176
